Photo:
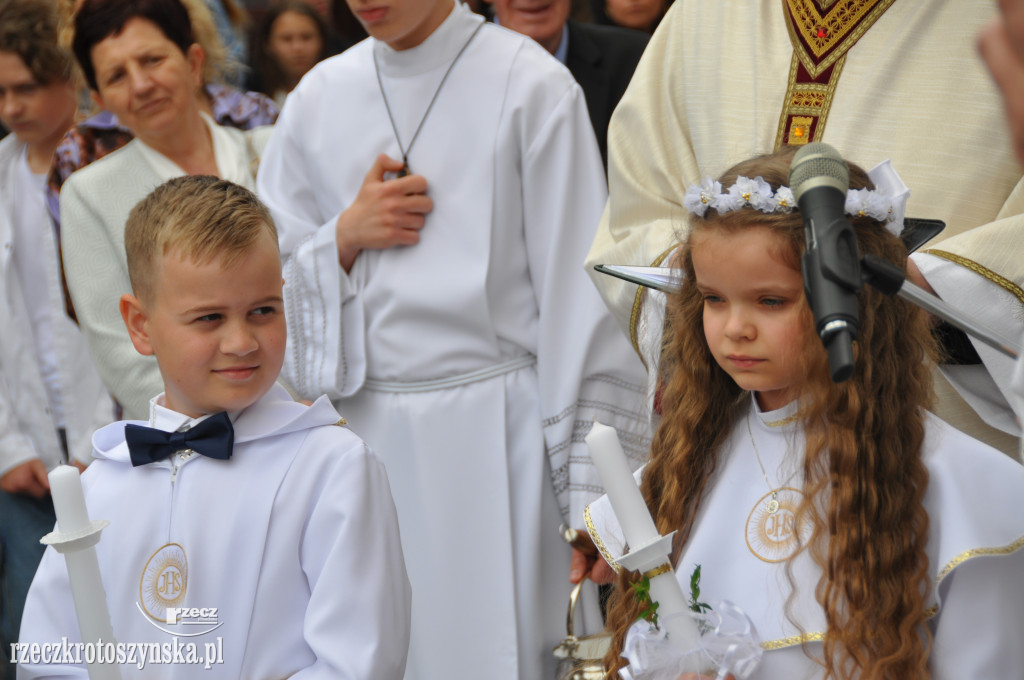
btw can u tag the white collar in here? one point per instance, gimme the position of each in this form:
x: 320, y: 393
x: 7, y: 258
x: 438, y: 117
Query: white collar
x: 438, y: 49
x: 231, y: 165
x: 169, y: 420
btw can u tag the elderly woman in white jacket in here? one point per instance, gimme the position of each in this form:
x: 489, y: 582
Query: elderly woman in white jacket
x: 143, y: 64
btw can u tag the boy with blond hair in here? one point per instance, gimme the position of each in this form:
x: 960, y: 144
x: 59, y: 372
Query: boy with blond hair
x: 241, y: 501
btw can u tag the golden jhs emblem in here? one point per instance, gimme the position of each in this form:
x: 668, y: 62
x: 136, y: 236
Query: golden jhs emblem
x: 772, y: 532
x: 164, y: 581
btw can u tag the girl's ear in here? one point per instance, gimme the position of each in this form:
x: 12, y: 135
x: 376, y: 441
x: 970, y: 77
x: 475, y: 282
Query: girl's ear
x: 136, y: 319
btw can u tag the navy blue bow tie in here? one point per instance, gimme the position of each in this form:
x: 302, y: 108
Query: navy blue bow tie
x: 213, y: 437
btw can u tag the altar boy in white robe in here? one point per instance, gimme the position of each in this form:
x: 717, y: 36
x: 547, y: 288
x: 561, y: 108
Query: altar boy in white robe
x: 232, y: 499
x: 435, y: 188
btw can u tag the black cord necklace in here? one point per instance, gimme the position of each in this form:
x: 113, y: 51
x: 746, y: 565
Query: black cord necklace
x: 405, y: 151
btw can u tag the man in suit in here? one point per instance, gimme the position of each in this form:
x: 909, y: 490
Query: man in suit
x: 600, y: 58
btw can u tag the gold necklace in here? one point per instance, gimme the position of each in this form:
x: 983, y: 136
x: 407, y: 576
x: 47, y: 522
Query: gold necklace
x: 772, y: 506
x: 775, y: 528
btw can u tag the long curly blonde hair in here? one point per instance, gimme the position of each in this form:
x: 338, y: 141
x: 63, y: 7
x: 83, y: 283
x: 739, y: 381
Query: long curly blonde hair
x: 864, y: 479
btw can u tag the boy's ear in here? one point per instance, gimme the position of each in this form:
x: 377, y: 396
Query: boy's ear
x: 135, y: 319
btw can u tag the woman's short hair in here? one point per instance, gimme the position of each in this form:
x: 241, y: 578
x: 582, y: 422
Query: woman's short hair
x: 98, y: 20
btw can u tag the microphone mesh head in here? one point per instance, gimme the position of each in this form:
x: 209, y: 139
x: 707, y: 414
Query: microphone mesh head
x: 818, y: 164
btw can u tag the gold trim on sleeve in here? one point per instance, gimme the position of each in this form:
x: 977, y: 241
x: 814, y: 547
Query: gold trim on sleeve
x: 1001, y: 281
x: 977, y: 552
x: 770, y: 645
x: 592, y: 530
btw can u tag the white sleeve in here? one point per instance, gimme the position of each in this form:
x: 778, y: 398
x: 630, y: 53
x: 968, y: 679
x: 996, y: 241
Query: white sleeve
x: 325, y: 353
x: 358, y: 618
x: 994, y: 301
x: 979, y: 629
x: 586, y: 368
x: 97, y: 276
x: 15, y: 446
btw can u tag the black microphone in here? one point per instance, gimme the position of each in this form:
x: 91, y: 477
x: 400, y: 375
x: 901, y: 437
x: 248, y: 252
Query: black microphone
x: 819, y: 179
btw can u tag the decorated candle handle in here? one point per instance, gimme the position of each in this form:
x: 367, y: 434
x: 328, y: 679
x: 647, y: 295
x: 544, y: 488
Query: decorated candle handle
x: 649, y: 553
x: 76, y: 537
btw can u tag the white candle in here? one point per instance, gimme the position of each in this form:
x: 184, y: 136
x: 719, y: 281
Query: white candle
x: 626, y: 499
x: 68, y: 499
x: 75, y: 538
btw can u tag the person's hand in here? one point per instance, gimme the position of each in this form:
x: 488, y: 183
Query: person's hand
x: 915, y: 276
x: 586, y: 559
x: 1001, y: 44
x: 27, y: 479
x: 386, y: 212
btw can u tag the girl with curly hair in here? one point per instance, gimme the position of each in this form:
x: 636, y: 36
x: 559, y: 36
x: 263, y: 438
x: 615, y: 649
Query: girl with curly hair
x: 865, y: 538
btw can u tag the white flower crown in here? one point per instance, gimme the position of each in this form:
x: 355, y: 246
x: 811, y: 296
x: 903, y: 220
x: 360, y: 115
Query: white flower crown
x: 757, y: 194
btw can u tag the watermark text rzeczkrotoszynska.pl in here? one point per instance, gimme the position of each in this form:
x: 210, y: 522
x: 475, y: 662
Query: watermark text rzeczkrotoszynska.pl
x: 139, y: 654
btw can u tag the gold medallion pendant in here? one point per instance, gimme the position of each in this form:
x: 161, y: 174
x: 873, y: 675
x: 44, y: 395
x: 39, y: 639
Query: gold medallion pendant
x: 164, y: 581
x: 772, y: 532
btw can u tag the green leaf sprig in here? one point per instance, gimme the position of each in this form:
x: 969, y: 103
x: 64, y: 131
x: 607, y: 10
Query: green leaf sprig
x: 642, y: 592
x: 695, y: 603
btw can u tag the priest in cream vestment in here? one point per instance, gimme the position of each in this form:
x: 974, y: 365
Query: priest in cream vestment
x: 876, y: 79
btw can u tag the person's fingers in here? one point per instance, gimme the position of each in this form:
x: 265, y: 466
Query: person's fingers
x: 602, y: 572
x: 579, y: 565
x: 419, y: 204
x: 42, y: 479
x: 1007, y: 71
x: 383, y: 164
x: 997, y: 51
x: 1013, y: 17
x: 404, y: 237
x: 410, y: 184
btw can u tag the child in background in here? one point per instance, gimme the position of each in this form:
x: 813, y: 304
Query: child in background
x: 291, y: 39
x: 51, y: 397
x: 284, y: 523
x: 864, y: 537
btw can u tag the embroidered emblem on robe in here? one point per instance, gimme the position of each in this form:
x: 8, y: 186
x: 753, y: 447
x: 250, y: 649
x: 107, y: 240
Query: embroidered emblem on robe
x: 822, y: 33
x: 164, y: 581
x: 772, y: 536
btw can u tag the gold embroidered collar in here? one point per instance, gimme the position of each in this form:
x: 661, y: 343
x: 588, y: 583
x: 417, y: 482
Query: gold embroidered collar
x: 822, y: 31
